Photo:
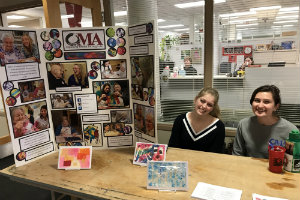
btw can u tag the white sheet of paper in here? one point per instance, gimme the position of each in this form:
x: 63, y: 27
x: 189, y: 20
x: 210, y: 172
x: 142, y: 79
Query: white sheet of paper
x: 258, y: 197
x: 207, y: 191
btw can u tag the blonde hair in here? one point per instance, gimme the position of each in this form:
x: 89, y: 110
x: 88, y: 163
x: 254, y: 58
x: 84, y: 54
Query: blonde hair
x: 209, y: 90
x: 81, y: 76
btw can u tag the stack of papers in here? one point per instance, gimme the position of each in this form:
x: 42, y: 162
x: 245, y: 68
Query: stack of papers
x: 206, y: 191
x: 261, y: 197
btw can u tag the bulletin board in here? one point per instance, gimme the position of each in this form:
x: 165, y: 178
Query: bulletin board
x: 78, y: 87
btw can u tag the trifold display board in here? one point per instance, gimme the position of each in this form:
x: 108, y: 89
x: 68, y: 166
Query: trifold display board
x: 78, y: 87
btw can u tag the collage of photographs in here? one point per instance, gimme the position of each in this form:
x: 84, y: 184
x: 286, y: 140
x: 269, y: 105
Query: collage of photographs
x: 101, y: 96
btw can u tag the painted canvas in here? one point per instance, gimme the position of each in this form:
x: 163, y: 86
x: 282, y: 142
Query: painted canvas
x: 75, y: 157
x: 171, y: 175
x: 145, y: 152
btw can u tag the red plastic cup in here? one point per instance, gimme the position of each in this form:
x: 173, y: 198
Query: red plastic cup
x: 276, y: 158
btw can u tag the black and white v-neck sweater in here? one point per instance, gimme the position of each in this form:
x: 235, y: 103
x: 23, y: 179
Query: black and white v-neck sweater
x: 210, y: 139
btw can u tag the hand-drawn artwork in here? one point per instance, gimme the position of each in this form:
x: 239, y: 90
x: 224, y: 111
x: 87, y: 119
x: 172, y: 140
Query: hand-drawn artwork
x: 85, y: 55
x: 93, y: 39
x: 113, y: 69
x: 15, y: 92
x: 54, y: 33
x: 111, y: 42
x: 45, y: 36
x: 67, y: 74
x: 127, y: 129
x: 167, y: 175
x: 121, y: 50
x: 75, y: 157
x: 121, y: 42
x: 120, y: 32
x: 137, y: 92
x: 142, y: 71
x: 92, y: 135
x: 67, y: 126
x: 11, y: 51
x: 26, y: 118
x: 110, y: 32
x: 145, y: 152
x: 95, y: 65
x: 112, y: 52
x: 56, y: 44
x: 113, y: 129
x: 10, y: 101
x: 49, y: 55
x: 124, y: 116
x: 62, y: 100
x: 93, y: 74
x: 57, y: 53
x: 8, y: 85
x: 112, y: 94
x: 21, y: 155
x: 47, y: 46
x: 144, y: 119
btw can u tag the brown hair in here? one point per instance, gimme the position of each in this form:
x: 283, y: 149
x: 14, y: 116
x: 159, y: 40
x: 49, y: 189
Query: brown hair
x: 208, y: 90
x: 187, y: 58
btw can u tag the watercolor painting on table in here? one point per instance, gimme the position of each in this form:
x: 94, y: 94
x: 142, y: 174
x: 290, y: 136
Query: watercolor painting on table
x: 145, y: 152
x: 167, y: 175
x: 75, y: 157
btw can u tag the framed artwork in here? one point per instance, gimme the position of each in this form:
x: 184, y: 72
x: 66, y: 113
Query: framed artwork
x: 145, y: 152
x: 167, y: 175
x: 75, y: 157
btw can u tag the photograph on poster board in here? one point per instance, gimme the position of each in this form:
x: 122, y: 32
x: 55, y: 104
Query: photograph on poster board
x: 145, y: 152
x: 144, y: 119
x: 92, y: 134
x: 75, y: 157
x: 112, y: 94
x: 142, y: 71
x: 18, y: 46
x: 62, y: 100
x: 113, y: 129
x: 67, y: 74
x: 113, y: 69
x: 29, y: 118
x: 32, y: 90
x: 124, y: 116
x: 137, y: 91
x: 67, y: 126
x: 167, y: 175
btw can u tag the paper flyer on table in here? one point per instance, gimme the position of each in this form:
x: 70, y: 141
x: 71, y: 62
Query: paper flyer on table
x: 207, y: 191
x: 261, y: 197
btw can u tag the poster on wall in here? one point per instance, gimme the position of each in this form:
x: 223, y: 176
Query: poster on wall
x: 77, y: 89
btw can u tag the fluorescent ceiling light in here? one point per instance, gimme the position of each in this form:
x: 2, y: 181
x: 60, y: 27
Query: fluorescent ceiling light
x: 67, y: 16
x: 16, y: 17
x: 286, y: 12
x: 238, y: 14
x: 120, y: 13
x: 14, y: 26
x: 182, y: 29
x: 171, y: 26
x: 242, y: 21
x: 287, y: 17
x: 242, y: 25
x: 288, y: 9
x: 196, y: 4
x: 265, y: 8
x: 160, y: 20
x: 288, y: 25
x: 282, y: 22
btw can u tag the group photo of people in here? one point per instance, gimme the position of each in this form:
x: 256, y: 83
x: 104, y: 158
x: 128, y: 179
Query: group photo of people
x: 112, y: 94
x: 142, y: 71
x: 113, y: 129
x: 18, y: 47
x: 111, y: 69
x: 67, y: 74
x: 32, y: 90
x: 144, y: 119
x: 29, y: 118
x: 62, y: 100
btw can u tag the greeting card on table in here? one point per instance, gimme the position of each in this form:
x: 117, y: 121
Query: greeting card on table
x: 261, y: 197
x: 145, y: 152
x: 170, y: 175
x: 75, y: 157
